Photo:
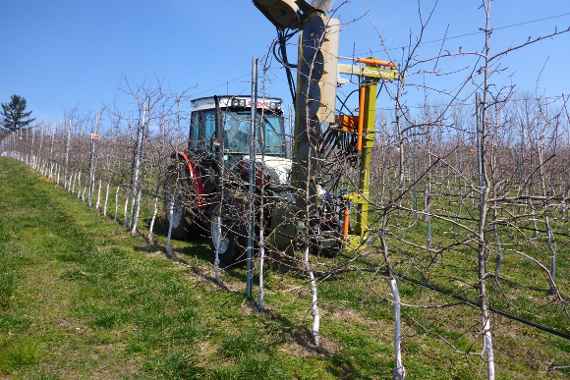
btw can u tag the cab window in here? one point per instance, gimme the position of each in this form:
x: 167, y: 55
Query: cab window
x: 202, y: 129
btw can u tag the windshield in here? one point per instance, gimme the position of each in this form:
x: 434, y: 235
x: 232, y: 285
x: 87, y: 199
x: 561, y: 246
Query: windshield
x: 236, y: 132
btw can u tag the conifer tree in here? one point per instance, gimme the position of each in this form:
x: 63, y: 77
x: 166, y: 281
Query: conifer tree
x: 14, y: 116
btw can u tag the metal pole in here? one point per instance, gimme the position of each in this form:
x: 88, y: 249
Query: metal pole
x: 137, y: 166
x: 93, y: 160
x: 66, y: 172
x: 221, y: 163
x: 252, y: 177
x: 369, y: 137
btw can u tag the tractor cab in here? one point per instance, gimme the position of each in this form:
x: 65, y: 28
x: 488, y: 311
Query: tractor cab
x: 219, y: 138
x: 224, y: 122
x: 206, y: 188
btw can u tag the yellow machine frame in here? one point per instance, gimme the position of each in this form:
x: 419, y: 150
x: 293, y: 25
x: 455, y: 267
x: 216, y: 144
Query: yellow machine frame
x: 371, y: 71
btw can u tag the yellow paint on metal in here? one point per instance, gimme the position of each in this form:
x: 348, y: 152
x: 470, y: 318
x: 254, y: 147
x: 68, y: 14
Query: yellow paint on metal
x: 380, y: 73
x: 367, y: 136
x: 366, y: 165
x: 355, y: 198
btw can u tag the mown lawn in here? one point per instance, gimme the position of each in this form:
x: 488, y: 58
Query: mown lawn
x: 80, y: 298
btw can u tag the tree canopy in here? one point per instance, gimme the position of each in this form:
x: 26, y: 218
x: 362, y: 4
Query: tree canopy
x: 13, y: 115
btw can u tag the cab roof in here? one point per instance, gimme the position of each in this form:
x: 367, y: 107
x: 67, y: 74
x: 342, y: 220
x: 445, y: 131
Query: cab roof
x: 244, y: 101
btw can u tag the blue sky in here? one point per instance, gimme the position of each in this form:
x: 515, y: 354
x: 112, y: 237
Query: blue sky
x: 69, y: 53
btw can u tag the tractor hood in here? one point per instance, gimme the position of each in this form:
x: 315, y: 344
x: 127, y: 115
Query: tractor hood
x: 281, y: 167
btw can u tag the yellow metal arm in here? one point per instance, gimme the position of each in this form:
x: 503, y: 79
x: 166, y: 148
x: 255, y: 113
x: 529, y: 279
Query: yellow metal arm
x: 373, y: 72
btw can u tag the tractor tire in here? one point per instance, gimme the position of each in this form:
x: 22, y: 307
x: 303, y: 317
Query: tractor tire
x: 185, y: 223
x: 227, y: 238
x: 327, y: 244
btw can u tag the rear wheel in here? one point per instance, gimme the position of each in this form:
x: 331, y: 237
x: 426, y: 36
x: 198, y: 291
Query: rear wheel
x: 179, y: 194
x: 226, y: 239
x: 328, y: 239
x: 327, y: 243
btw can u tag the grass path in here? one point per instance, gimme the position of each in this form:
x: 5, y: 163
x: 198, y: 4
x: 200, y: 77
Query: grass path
x: 83, y: 300
x: 80, y: 298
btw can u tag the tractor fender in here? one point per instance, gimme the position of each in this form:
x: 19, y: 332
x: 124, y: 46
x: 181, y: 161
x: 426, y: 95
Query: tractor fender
x: 194, y: 174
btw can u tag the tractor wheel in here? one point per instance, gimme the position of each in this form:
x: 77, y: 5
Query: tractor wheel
x: 327, y: 244
x: 227, y: 239
x: 328, y: 241
x: 185, y: 225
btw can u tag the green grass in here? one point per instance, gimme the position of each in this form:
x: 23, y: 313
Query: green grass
x: 80, y: 298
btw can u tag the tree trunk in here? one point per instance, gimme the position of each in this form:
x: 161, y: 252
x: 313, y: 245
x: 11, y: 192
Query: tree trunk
x: 169, y: 251
x: 482, y: 251
x: 116, y: 204
x: 399, y: 372
x: 137, y: 167
x: 106, y: 199
x: 152, y: 221
x: 98, y: 204
x: 126, y: 211
x: 93, y: 160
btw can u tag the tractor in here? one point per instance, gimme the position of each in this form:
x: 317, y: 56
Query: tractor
x: 206, y: 189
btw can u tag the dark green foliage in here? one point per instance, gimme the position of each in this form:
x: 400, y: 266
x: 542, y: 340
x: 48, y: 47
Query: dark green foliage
x: 14, y: 115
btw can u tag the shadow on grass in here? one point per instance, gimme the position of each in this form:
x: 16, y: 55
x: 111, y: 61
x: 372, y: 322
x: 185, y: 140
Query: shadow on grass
x: 289, y: 332
x: 338, y: 365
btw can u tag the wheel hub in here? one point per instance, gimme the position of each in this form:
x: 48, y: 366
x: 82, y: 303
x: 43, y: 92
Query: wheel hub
x: 175, y: 218
x: 220, y: 242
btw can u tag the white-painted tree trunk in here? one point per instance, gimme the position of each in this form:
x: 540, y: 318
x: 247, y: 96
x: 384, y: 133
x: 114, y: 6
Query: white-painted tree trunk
x: 138, y: 156
x: 126, y: 211
x: 98, y: 204
x: 484, y: 190
x: 261, y: 299
x: 482, y: 133
x: 93, y: 158
x: 79, y: 185
x: 66, y: 173
x: 315, y: 330
x: 217, y: 247
x: 169, y: 251
x: 106, y: 199
x: 152, y: 221
x: 399, y: 371
x: 136, y: 213
x: 51, y: 160
x: 116, y: 204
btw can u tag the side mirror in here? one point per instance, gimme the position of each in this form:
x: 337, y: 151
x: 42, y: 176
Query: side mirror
x: 282, y: 13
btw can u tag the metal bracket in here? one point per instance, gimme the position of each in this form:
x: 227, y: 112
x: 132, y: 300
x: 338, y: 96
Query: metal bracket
x: 375, y: 72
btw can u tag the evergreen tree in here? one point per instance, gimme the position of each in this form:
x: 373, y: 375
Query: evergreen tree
x: 13, y: 115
